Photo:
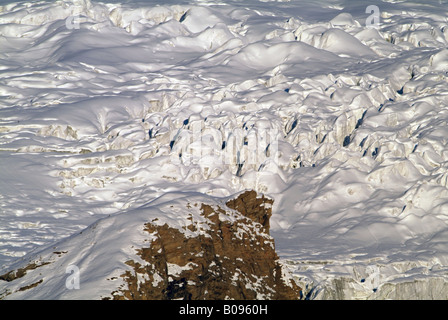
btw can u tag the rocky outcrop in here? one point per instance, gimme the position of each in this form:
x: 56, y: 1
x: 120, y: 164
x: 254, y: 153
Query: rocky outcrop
x: 259, y: 209
x: 231, y: 256
x: 180, y: 246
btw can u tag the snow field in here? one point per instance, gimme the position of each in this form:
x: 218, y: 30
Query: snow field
x: 104, y: 107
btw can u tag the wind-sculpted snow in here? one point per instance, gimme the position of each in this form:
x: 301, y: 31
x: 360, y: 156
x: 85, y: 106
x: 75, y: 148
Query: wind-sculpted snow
x: 107, y: 106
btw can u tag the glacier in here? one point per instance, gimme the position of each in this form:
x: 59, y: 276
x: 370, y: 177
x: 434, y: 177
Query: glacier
x: 335, y: 109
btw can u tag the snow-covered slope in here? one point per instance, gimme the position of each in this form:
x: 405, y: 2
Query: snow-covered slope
x: 105, y: 107
x: 181, y: 246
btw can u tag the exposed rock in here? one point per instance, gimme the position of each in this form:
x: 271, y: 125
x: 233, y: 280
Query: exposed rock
x: 257, y: 209
x: 233, y: 259
x: 21, y: 272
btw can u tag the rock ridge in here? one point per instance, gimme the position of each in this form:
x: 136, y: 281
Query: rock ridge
x: 179, y: 246
x: 234, y: 259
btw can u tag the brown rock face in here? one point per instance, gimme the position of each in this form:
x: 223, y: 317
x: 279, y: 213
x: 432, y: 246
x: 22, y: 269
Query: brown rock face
x: 257, y: 209
x: 227, y: 255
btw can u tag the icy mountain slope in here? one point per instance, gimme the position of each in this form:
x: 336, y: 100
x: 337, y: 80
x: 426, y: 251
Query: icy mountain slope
x: 104, y: 107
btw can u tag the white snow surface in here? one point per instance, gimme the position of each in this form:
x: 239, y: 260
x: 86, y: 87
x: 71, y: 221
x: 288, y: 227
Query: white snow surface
x: 107, y: 106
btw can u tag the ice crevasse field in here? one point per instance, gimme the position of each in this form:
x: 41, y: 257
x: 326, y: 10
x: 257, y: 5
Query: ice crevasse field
x: 335, y: 109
